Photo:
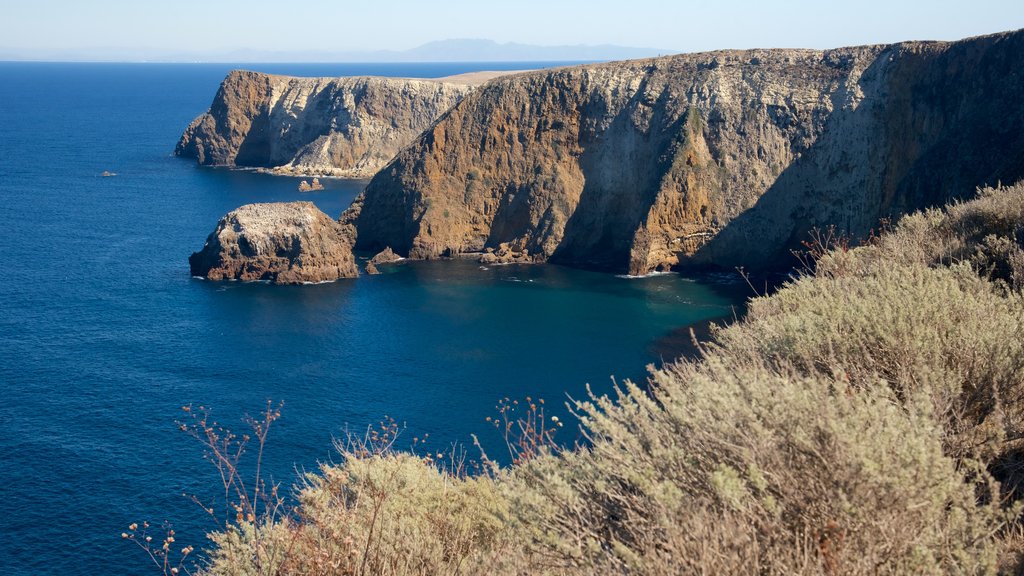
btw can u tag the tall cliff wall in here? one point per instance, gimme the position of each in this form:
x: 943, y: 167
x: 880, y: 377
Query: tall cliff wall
x: 321, y: 126
x: 727, y: 158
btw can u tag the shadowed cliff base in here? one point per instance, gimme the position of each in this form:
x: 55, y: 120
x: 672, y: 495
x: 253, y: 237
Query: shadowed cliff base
x: 725, y: 158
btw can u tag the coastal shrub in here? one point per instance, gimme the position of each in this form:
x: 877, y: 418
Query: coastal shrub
x: 941, y: 332
x: 735, y: 468
x: 867, y: 418
x: 392, y: 513
x: 986, y: 233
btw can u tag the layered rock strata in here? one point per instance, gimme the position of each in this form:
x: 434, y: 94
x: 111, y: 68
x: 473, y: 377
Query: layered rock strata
x: 346, y: 127
x: 284, y: 243
x: 728, y: 158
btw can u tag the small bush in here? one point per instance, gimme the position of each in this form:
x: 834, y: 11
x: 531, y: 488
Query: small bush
x: 382, y: 514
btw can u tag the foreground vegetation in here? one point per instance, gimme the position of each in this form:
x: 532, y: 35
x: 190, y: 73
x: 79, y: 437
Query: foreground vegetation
x: 864, y: 419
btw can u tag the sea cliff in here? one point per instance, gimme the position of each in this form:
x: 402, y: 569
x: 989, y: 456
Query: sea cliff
x: 346, y: 127
x: 727, y: 158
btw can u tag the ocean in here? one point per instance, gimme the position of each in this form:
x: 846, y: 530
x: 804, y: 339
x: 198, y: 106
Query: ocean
x: 104, y: 336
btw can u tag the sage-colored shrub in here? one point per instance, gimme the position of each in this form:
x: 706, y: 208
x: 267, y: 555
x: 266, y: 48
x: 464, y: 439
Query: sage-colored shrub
x: 392, y: 513
x: 941, y: 332
x: 865, y: 419
x: 986, y: 232
x: 727, y: 467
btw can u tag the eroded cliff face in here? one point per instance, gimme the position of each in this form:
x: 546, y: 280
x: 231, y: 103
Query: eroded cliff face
x: 727, y: 158
x: 346, y: 127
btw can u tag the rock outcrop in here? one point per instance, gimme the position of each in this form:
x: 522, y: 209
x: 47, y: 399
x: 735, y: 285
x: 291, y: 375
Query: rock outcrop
x: 305, y: 186
x: 285, y: 243
x: 346, y: 127
x: 385, y: 256
x: 727, y: 158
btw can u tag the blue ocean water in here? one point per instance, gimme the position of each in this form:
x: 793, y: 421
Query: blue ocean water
x: 104, y: 336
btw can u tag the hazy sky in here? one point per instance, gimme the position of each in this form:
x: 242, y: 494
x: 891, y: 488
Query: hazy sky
x: 683, y: 25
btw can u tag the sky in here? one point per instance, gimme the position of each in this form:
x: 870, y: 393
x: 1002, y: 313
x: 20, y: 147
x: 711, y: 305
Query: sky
x: 205, y: 27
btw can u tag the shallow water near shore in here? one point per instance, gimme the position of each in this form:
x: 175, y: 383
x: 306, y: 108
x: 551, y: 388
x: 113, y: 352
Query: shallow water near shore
x: 104, y: 335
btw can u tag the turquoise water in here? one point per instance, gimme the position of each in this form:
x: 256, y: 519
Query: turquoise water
x: 104, y: 336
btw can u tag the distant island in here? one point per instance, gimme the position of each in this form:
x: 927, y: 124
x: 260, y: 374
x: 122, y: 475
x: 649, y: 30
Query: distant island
x: 453, y: 50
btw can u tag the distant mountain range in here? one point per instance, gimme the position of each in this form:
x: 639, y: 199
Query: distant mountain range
x: 457, y: 50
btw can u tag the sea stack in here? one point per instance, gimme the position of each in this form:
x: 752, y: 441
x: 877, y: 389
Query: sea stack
x: 284, y: 243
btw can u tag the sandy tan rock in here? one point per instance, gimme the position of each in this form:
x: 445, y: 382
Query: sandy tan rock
x: 305, y: 186
x: 385, y: 256
x: 284, y: 243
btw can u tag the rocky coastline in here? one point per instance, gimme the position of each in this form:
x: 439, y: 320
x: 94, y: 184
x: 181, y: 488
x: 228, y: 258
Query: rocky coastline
x: 720, y: 159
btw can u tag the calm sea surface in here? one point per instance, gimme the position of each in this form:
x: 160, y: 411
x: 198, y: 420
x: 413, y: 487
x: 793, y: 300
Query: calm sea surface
x: 104, y: 336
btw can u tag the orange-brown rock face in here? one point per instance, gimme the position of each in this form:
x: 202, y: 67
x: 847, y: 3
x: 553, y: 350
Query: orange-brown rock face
x: 727, y: 158
x: 315, y: 126
x: 284, y: 243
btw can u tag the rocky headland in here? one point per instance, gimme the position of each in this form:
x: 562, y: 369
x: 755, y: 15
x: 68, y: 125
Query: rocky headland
x: 345, y: 127
x: 284, y: 243
x: 727, y: 158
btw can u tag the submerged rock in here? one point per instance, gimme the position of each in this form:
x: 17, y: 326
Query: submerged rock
x: 285, y: 243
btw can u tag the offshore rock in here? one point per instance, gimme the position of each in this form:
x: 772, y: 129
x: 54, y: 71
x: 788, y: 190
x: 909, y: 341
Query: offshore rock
x: 284, y: 243
x: 305, y: 186
x: 346, y: 127
x: 726, y: 158
x: 385, y: 256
